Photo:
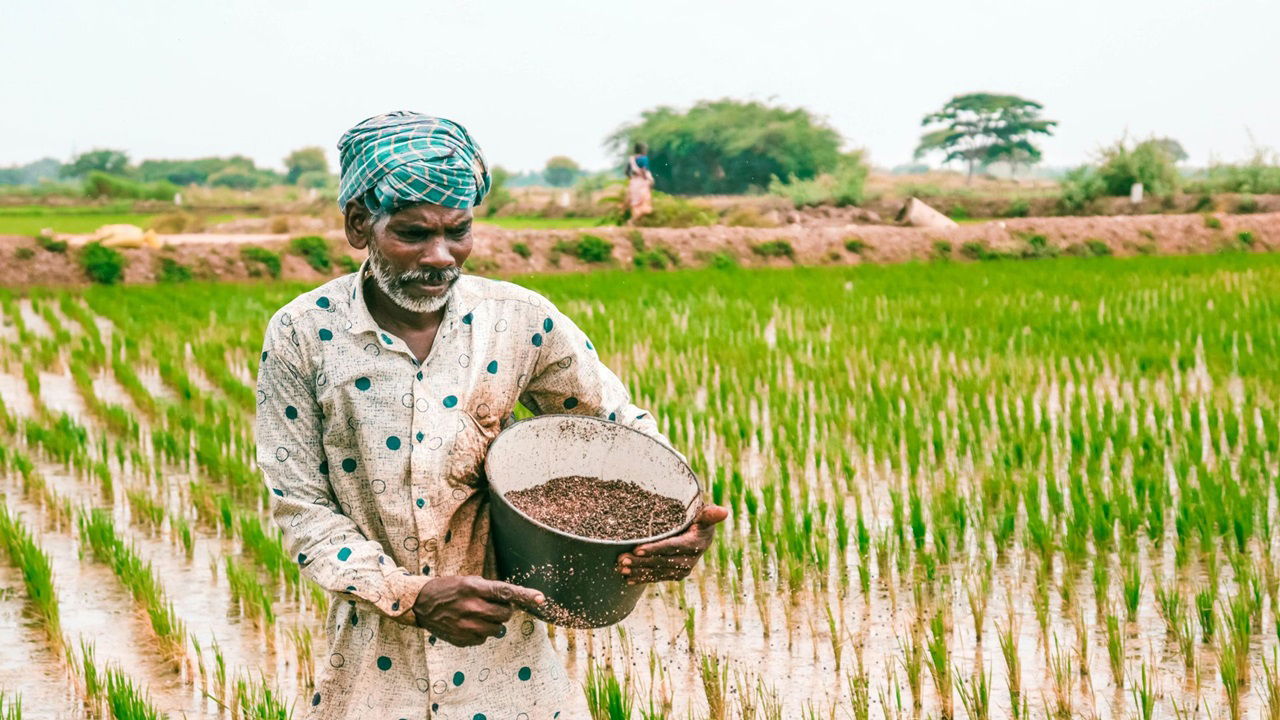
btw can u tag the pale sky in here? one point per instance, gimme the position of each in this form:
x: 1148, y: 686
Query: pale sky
x: 536, y: 78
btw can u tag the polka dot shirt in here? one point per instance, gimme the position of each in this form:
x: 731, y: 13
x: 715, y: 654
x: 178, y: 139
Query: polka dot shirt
x: 373, y: 463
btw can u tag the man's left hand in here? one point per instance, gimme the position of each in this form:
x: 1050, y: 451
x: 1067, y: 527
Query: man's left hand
x: 673, y: 558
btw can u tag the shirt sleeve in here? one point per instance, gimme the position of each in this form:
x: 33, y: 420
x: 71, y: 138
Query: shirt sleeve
x: 327, y: 545
x: 568, y: 377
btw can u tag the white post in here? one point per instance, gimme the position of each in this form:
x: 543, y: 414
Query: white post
x: 1135, y: 194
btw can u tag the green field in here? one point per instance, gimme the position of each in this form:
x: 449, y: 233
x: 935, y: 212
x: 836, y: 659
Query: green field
x: 961, y: 490
x: 529, y: 222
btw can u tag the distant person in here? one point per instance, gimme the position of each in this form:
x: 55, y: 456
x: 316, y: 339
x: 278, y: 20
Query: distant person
x: 378, y: 395
x: 639, y: 184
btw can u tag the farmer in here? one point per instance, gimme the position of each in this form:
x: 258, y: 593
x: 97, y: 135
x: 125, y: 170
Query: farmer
x: 378, y: 394
x: 639, y: 184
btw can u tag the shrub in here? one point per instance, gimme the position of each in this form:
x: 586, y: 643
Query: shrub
x: 171, y: 223
x: 720, y: 260
x: 1204, y: 202
x: 315, y: 250
x: 24, y: 253
x: 172, y: 271
x: 1038, y: 248
x: 941, y: 250
x: 747, y: 216
x: 856, y: 245
x: 522, y: 250
x: 1018, y: 208
x: 636, y: 238
x: 98, y: 184
x: 1080, y: 187
x: 51, y: 245
x: 1148, y: 162
x: 347, y: 263
x: 659, y: 258
x: 480, y: 265
x: 843, y: 186
x: 1213, y: 223
x: 1246, y: 238
x: 978, y: 250
x: 774, y: 248
x: 958, y: 212
x: 587, y: 248
x: 258, y: 259
x: 1097, y: 248
x: 1247, y: 204
x: 102, y: 264
x: 671, y: 211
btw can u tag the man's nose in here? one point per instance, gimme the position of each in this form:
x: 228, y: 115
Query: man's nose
x: 436, y: 255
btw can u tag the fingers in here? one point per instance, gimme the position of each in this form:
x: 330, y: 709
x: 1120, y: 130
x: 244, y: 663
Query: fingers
x: 711, y: 515
x: 694, y: 540
x: 509, y: 594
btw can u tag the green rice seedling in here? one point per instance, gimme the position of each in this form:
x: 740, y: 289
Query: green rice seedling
x: 978, y: 591
x: 1132, y: 585
x: 1186, y: 636
x: 1061, y: 684
x: 1115, y: 649
x: 1144, y: 696
x: 301, y: 638
x: 1170, y: 601
x: 1271, y: 686
x: 252, y: 596
x: 125, y: 700
x: 145, y: 510
x: 913, y: 663
x: 835, y: 634
x: 1008, y: 639
x: 10, y: 706
x: 607, y: 697
x: 37, y: 572
x: 715, y: 684
x: 770, y: 702
x: 1230, y: 671
x: 658, y: 705
x: 859, y: 693
x: 690, y: 627
x: 254, y: 699
x: 975, y: 694
x: 219, y: 674
x: 938, y: 655
x: 1204, y: 611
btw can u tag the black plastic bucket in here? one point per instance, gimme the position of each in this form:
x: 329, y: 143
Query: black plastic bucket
x: 578, y: 575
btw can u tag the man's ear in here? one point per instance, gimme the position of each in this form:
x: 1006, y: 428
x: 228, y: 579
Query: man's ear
x: 358, y: 223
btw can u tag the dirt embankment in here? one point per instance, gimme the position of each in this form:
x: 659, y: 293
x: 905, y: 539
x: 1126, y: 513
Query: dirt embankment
x: 510, y: 252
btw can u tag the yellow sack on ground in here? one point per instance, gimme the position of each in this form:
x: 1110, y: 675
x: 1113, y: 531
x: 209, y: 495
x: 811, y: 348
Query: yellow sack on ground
x: 126, y: 236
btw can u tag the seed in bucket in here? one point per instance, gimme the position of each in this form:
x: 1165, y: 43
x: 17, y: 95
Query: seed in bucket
x: 600, y: 509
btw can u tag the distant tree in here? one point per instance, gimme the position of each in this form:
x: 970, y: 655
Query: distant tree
x: 113, y: 162
x: 499, y: 196
x: 728, y: 146
x: 32, y: 173
x: 1172, y: 148
x: 305, y: 160
x: 195, y: 171
x: 561, y: 171
x: 981, y: 128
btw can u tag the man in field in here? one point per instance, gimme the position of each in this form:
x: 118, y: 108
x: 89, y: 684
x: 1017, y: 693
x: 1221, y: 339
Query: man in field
x: 378, y: 395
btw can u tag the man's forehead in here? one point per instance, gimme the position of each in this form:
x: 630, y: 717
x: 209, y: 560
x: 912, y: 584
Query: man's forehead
x: 431, y: 215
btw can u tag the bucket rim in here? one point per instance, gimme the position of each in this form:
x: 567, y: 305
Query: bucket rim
x: 501, y: 497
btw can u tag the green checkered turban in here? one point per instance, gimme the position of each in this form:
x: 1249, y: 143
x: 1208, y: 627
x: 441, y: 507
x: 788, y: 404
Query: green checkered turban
x: 405, y: 158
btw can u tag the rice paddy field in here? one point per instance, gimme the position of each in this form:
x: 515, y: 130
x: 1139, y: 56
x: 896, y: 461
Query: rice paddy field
x: 1013, y: 489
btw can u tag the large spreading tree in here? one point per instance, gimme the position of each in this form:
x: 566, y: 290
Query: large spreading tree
x: 561, y: 171
x: 979, y: 129
x: 728, y: 146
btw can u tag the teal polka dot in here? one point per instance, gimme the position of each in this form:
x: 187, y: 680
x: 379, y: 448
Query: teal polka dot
x: 291, y: 412
x: 570, y: 403
x: 363, y: 383
x: 458, y: 677
x: 264, y: 355
x: 420, y: 437
x: 590, y: 346
x: 323, y: 302
x: 492, y: 367
x: 384, y: 663
x: 386, y: 338
x: 349, y: 465
x: 478, y: 716
x: 419, y: 374
x: 421, y: 502
x: 613, y: 416
x: 525, y: 673
x: 466, y: 319
x: 344, y: 553
x: 278, y: 492
x: 450, y: 401
x: 315, y: 700
x: 325, y: 334
x: 547, y: 325
x: 324, y: 467
x: 393, y: 443
x: 302, y: 558
x: 537, y: 339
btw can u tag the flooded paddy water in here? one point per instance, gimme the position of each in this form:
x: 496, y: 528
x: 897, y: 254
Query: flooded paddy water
x: 1041, y: 490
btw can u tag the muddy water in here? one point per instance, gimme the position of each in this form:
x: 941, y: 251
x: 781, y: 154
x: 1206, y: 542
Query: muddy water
x: 34, y: 321
x: 13, y: 391
x: 58, y: 393
x: 27, y: 664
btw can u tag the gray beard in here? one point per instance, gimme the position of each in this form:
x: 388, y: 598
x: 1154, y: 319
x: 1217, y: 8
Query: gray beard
x: 392, y: 285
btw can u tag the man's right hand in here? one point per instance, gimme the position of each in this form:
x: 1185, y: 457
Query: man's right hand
x: 465, y: 610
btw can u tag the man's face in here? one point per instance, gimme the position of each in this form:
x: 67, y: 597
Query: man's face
x: 417, y: 253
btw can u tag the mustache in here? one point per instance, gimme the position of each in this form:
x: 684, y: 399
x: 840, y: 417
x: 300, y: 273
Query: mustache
x: 434, y: 277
